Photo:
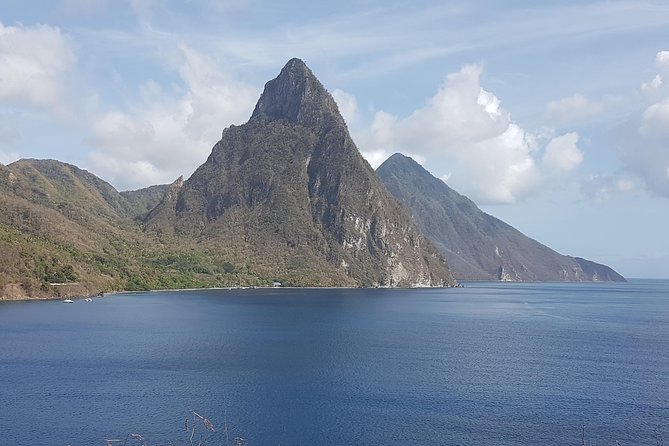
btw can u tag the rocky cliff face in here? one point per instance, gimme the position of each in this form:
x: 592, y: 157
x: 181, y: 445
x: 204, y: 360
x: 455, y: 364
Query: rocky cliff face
x: 477, y: 245
x: 288, y: 195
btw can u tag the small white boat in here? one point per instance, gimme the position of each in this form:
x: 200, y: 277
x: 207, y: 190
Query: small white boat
x: 68, y: 301
x: 88, y: 299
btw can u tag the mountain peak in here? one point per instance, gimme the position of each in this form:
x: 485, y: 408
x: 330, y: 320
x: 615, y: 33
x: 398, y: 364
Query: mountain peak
x: 297, y: 96
x: 398, y: 158
x: 477, y: 245
x: 398, y: 162
x: 288, y: 196
x: 297, y: 65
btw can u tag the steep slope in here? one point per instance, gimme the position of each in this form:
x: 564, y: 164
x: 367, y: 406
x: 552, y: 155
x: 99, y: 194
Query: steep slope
x: 287, y: 195
x: 477, y: 245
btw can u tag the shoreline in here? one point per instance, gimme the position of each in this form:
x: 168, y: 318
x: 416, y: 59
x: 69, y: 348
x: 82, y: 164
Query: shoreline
x: 237, y: 288
x: 461, y: 284
x: 52, y: 298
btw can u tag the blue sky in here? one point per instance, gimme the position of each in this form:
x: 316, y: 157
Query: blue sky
x: 553, y: 116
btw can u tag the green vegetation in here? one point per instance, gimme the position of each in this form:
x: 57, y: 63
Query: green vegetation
x: 53, y: 272
x: 77, y: 238
x: 41, y: 266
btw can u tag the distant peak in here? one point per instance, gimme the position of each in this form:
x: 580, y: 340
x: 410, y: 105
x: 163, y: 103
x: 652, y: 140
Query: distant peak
x: 296, y: 95
x: 399, y: 157
x: 399, y: 161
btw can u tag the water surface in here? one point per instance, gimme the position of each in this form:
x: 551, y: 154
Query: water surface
x: 488, y: 364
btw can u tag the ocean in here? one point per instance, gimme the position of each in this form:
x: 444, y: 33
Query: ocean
x: 487, y: 364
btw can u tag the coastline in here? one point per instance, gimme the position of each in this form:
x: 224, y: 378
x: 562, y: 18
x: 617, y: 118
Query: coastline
x: 50, y: 298
x: 459, y: 284
x: 235, y: 288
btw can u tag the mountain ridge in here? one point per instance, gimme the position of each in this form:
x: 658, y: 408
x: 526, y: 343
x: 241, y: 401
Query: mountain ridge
x: 478, y: 245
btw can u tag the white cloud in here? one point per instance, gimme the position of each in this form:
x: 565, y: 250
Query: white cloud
x: 34, y: 64
x: 377, y: 142
x: 646, y: 150
x: 348, y: 105
x: 167, y: 134
x: 652, y: 86
x: 662, y: 59
x: 464, y: 130
x: 499, y: 169
x: 460, y: 113
x: 578, y: 110
x: 376, y: 157
x: 645, y: 141
x: 562, y: 153
x: 656, y: 89
x: 654, y: 122
x: 133, y: 173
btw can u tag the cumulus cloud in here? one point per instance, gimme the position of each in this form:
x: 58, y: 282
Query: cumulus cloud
x: 35, y: 62
x: 466, y: 135
x: 130, y: 173
x: 662, y: 59
x: 562, y: 153
x: 646, y: 149
x: 166, y: 134
x: 654, y: 122
x: 348, y: 105
x: 376, y: 157
x: 656, y: 89
x: 645, y: 138
x: 655, y: 84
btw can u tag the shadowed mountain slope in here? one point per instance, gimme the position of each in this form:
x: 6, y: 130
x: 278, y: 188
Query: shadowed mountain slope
x: 477, y: 245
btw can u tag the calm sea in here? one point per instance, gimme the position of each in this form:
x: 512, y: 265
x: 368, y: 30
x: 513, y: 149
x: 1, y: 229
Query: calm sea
x: 488, y: 364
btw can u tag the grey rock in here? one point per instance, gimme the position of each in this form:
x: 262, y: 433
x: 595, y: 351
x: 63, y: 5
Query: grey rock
x: 479, y: 246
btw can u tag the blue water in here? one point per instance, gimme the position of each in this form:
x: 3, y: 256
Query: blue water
x: 488, y: 364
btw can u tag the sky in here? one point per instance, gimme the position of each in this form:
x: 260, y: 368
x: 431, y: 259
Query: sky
x: 552, y: 115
